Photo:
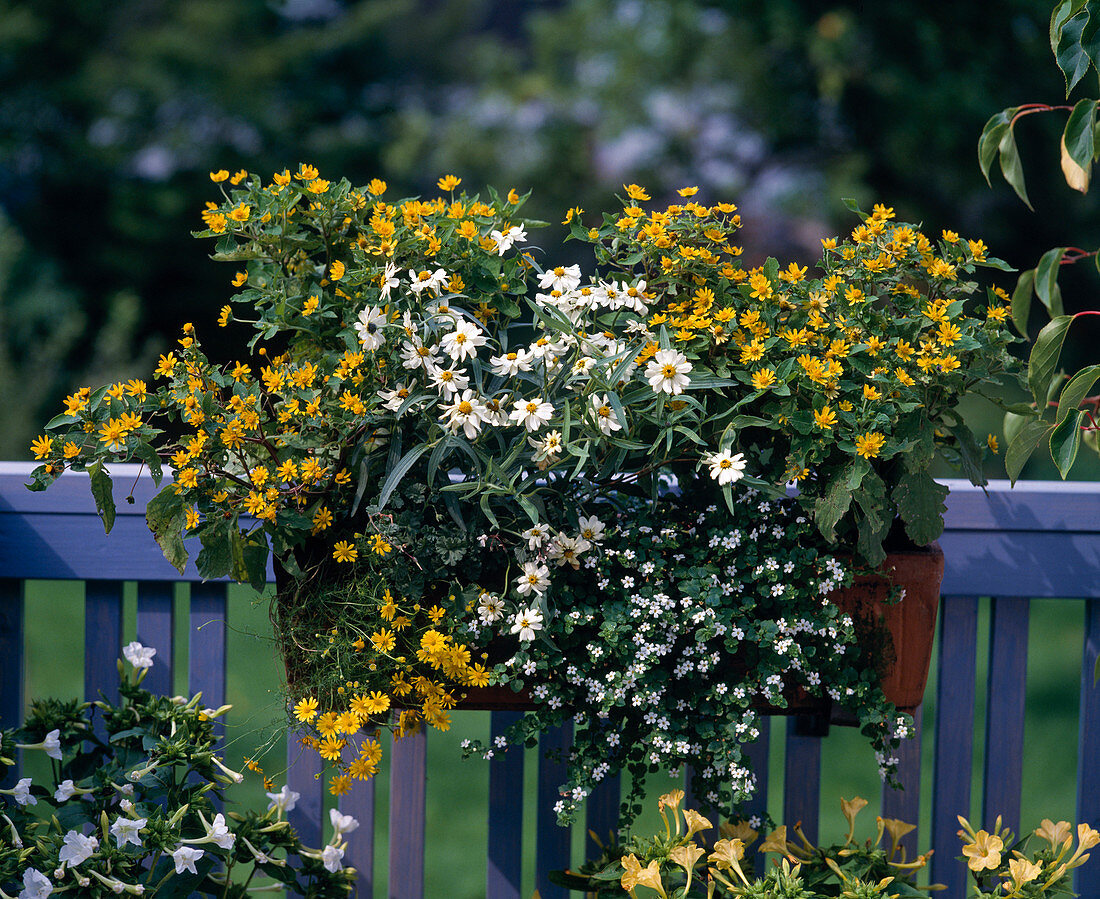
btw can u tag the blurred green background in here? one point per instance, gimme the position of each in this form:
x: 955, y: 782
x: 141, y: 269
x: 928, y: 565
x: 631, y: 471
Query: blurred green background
x: 112, y: 113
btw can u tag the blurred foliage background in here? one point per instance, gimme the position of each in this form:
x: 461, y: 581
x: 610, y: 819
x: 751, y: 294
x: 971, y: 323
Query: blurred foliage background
x: 113, y: 113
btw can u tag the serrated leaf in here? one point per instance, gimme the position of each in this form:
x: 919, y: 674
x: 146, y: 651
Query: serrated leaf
x: 1020, y: 449
x: 1076, y: 390
x: 101, y: 493
x: 1065, y: 440
x: 148, y: 455
x: 1011, y: 168
x: 1046, y: 279
x: 1063, y: 11
x: 1069, y: 54
x: 1044, y: 358
x: 1079, y: 145
x: 837, y: 499
x: 166, y: 516
x: 1021, y: 301
x: 214, y: 559
x: 920, y: 501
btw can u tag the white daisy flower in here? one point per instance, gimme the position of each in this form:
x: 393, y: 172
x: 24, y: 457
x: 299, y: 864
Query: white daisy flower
x: 462, y: 343
x: 421, y: 281
x: 568, y: 550
x: 535, y: 578
x: 389, y: 280
x: 448, y: 381
x: 465, y: 412
x: 526, y: 623
x: 667, y: 371
x: 369, y: 328
x: 393, y: 399
x: 606, y: 420
x: 563, y: 278
x: 511, y: 363
x: 490, y: 608
x: 591, y: 529
x: 724, y: 467
x: 414, y: 355
x: 536, y: 535
x: 506, y: 239
x: 532, y: 414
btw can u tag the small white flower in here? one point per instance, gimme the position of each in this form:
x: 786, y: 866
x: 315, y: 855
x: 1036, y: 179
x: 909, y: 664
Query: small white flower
x: 667, y: 371
x: 76, y: 848
x: 185, y: 858
x: 22, y: 792
x: 394, y: 399
x: 511, y: 363
x: 532, y: 414
x: 563, y: 278
x: 526, y: 623
x: 462, y: 343
x: 604, y: 414
x: 139, y: 656
x: 535, y: 578
x: 369, y: 328
x: 725, y: 468
x: 333, y: 858
x: 466, y: 412
x: 284, y: 800
x: 36, y: 885
x: 507, y: 238
x: 536, y: 535
x: 425, y: 280
x: 341, y: 824
x: 219, y: 833
x: 547, y: 448
x: 490, y: 608
x: 125, y: 831
x: 65, y: 791
x: 591, y: 529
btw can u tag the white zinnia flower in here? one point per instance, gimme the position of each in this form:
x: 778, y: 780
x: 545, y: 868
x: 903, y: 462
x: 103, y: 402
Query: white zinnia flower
x: 591, y: 528
x: 369, y: 328
x: 448, y: 381
x: 389, y: 280
x: 606, y: 420
x: 526, y: 623
x: 462, y: 343
x: 490, y: 608
x: 76, y: 848
x: 126, y: 831
x: 465, y: 412
x: 535, y: 577
x: 284, y: 800
x: 185, y: 858
x: 427, y: 280
x: 511, y: 363
x: 563, y: 278
x: 667, y: 371
x: 532, y: 414
x: 725, y: 468
x: 137, y: 655
x: 332, y: 857
x: 506, y: 239
x: 394, y: 399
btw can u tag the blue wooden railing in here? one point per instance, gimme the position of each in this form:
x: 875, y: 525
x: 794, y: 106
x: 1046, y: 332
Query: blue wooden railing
x: 1039, y: 540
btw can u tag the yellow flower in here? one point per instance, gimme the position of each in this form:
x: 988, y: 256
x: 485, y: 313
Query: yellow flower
x: 1023, y: 871
x: 763, y: 378
x: 343, y: 551
x: 306, y: 172
x: 688, y: 191
x: 448, y: 182
x: 825, y: 418
x: 318, y: 186
x: 635, y: 192
x: 687, y: 855
x: 238, y: 177
x: 240, y: 279
x: 984, y: 852
x: 322, y: 520
x: 383, y: 640
x: 1055, y: 834
x: 869, y: 445
x: 695, y: 822
x: 339, y: 785
x: 379, y: 545
x: 336, y: 270
x: 41, y: 446
x: 240, y: 213
x: 991, y: 442
x: 306, y: 709
x: 219, y: 175
x: 871, y: 393
x: 166, y: 365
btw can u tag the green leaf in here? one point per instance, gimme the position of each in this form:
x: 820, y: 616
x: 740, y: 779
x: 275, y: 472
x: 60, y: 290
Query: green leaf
x: 921, y: 506
x: 101, y: 493
x: 1020, y: 449
x: 148, y: 455
x: 990, y: 140
x: 1076, y: 390
x: 1079, y: 145
x: 399, y: 471
x: 837, y: 499
x: 1046, y: 280
x: 853, y: 206
x: 62, y: 420
x: 1044, y: 358
x: 1068, y: 52
x: 1065, y: 440
x: 1062, y: 12
x: 970, y: 454
x: 1021, y: 301
x: 215, y: 559
x: 1010, y: 166
x: 166, y: 515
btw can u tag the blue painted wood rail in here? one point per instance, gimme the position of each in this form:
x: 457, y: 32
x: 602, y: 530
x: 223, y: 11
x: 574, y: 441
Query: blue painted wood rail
x: 1040, y: 540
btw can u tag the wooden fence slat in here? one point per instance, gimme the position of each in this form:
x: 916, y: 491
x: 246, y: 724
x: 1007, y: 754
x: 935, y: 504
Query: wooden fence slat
x: 504, y: 860
x: 11, y: 669
x: 206, y: 646
x: 954, y: 737
x: 1086, y: 879
x: 758, y: 754
x: 1004, y: 714
x: 904, y: 804
x: 408, y: 770
x: 359, y: 803
x: 601, y: 815
x: 303, y: 767
x: 802, y: 779
x: 552, y: 843
x: 155, y: 627
x: 102, y: 639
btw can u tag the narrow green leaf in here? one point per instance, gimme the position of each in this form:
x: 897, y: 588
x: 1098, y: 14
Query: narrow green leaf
x: 1076, y: 390
x: 1065, y: 440
x: 1020, y: 449
x: 990, y: 140
x: 1021, y: 301
x: 1044, y: 358
x: 399, y: 471
x: 1011, y: 169
x: 1046, y: 277
x: 101, y: 492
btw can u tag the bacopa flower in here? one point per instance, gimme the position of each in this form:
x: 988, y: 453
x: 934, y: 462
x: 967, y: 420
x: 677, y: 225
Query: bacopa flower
x: 724, y: 467
x: 667, y: 372
x: 139, y: 656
